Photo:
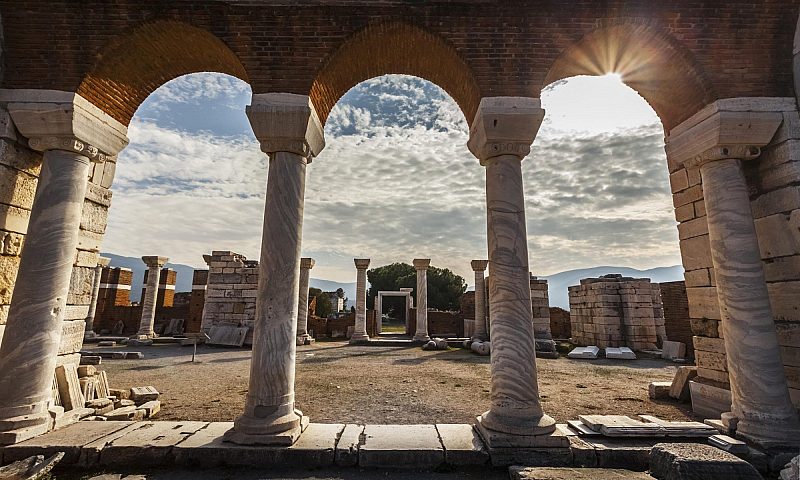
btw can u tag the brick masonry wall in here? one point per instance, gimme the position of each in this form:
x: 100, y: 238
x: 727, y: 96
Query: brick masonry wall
x: 676, y: 314
x: 197, y: 301
x: 166, y: 287
x: 686, y: 53
x: 774, y: 182
x: 615, y: 311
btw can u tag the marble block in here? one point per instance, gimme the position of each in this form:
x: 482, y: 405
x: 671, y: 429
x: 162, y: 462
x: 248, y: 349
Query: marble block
x: 589, y: 352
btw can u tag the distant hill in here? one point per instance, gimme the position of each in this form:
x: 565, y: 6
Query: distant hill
x: 557, y: 284
x: 183, y: 282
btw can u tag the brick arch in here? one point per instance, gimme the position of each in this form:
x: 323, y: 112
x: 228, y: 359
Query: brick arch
x: 394, y: 48
x: 649, y: 60
x: 136, y: 63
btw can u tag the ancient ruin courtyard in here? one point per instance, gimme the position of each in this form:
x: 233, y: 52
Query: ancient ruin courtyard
x: 337, y: 383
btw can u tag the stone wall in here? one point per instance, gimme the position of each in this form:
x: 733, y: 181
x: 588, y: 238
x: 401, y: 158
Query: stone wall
x: 540, y: 309
x: 774, y: 181
x: 559, y: 323
x: 19, y: 171
x: 231, y: 291
x: 615, y: 311
x: 676, y: 314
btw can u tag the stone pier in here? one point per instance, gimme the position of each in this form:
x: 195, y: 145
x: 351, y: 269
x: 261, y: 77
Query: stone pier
x: 73, y: 134
x: 360, y: 329
x: 421, y: 265
x: 290, y: 132
x: 500, y: 137
x: 98, y: 273
x: 303, y: 338
x: 718, y: 140
x: 480, y: 333
x: 150, y: 296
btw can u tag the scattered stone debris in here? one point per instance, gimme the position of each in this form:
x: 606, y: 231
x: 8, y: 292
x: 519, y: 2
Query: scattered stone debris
x: 792, y: 470
x: 647, y: 426
x: 673, y: 350
x: 31, y: 468
x: 729, y: 444
x: 680, y: 384
x: 589, y: 352
x: 659, y: 390
x: 90, y: 359
x: 481, y: 348
x: 114, y: 355
x: 562, y: 473
x: 435, y: 344
x: 621, y: 353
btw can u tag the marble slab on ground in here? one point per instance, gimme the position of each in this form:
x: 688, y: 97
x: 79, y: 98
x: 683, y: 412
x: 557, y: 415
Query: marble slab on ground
x: 677, y: 461
x: 205, y: 448
x: 620, y: 353
x: 227, y: 335
x: 551, y: 473
x: 401, y: 446
x: 588, y: 353
x: 462, y: 444
x: 69, y: 440
x: 151, y: 444
x: 348, y: 444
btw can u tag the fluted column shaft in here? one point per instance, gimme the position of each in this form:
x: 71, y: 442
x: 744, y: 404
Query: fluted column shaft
x: 360, y: 328
x: 759, y: 390
x: 33, y: 329
x: 150, y: 298
x: 306, y: 264
x: 421, y: 265
x: 479, y: 330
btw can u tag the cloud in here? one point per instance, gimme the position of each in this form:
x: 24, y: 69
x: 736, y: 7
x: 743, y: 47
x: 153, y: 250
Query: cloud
x: 394, y: 182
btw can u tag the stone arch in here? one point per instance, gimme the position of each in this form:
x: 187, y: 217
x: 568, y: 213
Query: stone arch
x: 649, y: 60
x: 394, y: 48
x: 139, y: 61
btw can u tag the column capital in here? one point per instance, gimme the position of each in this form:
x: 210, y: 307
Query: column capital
x: 361, y: 263
x: 505, y: 126
x: 729, y: 128
x: 286, y: 122
x: 422, y: 263
x: 479, y: 265
x: 103, y: 262
x: 58, y: 120
x: 155, y: 261
x: 307, y: 263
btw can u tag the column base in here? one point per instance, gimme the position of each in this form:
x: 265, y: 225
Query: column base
x: 422, y: 338
x: 280, y: 439
x: 358, y: 339
x: 545, y: 436
x: 22, y: 427
x: 89, y: 334
x: 769, y: 435
x: 144, y: 336
x: 524, y: 431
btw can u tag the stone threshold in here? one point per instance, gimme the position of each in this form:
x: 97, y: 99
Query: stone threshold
x: 113, y: 444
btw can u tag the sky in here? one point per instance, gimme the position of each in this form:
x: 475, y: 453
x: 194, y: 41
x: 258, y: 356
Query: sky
x: 395, y: 180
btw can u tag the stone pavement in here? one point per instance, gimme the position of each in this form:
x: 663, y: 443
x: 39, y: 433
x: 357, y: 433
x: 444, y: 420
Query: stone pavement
x: 126, y: 445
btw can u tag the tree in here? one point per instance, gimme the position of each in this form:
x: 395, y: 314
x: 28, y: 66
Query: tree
x: 445, y: 288
x: 324, y: 306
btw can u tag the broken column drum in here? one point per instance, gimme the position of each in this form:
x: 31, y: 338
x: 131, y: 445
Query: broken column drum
x: 306, y: 264
x: 480, y: 333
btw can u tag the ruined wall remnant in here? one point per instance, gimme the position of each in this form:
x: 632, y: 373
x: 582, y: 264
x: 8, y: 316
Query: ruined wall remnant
x: 617, y: 311
x: 231, y: 291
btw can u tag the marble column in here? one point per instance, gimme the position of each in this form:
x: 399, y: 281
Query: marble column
x: 290, y: 132
x: 421, y: 266
x: 378, y: 312
x: 500, y: 137
x: 72, y: 133
x: 759, y: 392
x: 479, y: 331
x: 303, y: 338
x: 360, y: 329
x: 150, y: 296
x: 98, y: 273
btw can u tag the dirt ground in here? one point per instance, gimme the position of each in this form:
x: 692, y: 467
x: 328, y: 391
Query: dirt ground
x: 388, y: 385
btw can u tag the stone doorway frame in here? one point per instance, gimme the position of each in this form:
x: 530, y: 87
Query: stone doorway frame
x: 403, y: 292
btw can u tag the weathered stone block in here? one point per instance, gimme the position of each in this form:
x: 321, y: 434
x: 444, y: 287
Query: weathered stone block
x: 16, y: 188
x: 20, y: 157
x: 71, y: 337
x: 693, y: 228
x: 778, y: 236
x: 703, y: 302
x: 14, y: 219
x: 696, y: 253
x: 784, y: 297
x: 681, y: 461
x: 8, y: 274
x: 94, y: 217
x: 80, y: 286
